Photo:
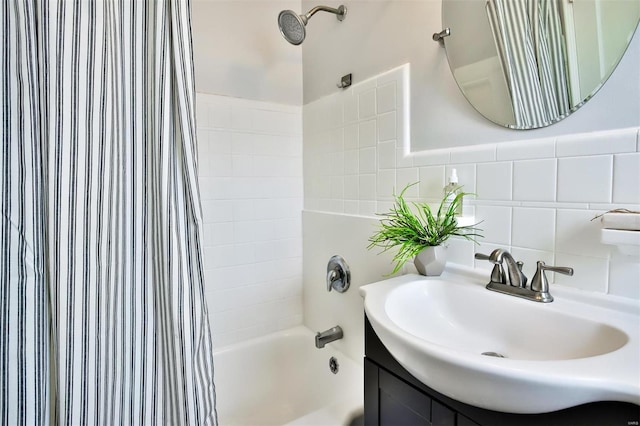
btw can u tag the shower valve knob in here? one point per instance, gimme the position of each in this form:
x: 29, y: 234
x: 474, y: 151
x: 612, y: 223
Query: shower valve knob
x: 338, y: 274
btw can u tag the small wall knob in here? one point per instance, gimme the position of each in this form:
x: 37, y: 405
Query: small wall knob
x: 338, y: 274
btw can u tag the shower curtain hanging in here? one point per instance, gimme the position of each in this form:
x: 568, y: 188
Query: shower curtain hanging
x: 102, y: 312
x: 529, y: 39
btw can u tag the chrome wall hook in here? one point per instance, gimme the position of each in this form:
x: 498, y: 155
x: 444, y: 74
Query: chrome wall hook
x: 345, y: 82
x: 439, y: 37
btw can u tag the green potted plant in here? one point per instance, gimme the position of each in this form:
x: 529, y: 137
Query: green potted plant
x: 419, y: 233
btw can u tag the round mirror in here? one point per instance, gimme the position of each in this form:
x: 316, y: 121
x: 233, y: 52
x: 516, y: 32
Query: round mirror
x: 526, y: 64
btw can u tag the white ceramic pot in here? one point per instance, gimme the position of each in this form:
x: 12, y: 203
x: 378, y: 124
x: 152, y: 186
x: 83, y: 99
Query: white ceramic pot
x: 431, y: 260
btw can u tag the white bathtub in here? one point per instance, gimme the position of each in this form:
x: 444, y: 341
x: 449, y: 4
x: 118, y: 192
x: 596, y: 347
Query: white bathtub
x: 283, y: 379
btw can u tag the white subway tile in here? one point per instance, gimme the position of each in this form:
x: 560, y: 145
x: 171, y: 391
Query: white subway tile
x: 495, y: 223
x: 589, y: 273
x: 367, y: 104
x: 242, y: 165
x: 241, y: 118
x: 350, y: 136
x: 606, y: 207
x: 219, y: 142
x: 626, y: 178
x: 610, y: 142
x: 384, y: 206
x: 556, y: 205
x: 460, y: 251
x: 577, y: 234
x: 336, y: 206
x: 387, y: 155
x: 351, y: 161
x: 405, y: 177
x: 386, y: 97
x: 493, y: 181
x: 367, y: 134
x: 535, y: 180
x: 386, y: 182
x: 350, y: 108
x: 585, y: 179
x: 386, y: 124
x: 351, y: 187
x: 335, y: 114
x: 217, y: 211
x: 218, y: 166
x: 219, y: 116
x: 351, y: 206
x: 431, y: 158
x: 367, y: 160
x: 367, y: 187
x: 216, y: 188
x: 534, y: 228
x: 243, y: 143
x: 222, y: 233
x: 367, y: 208
x: 336, y: 163
x: 337, y: 187
x: 432, y: 182
x: 202, y: 119
x: 256, y: 209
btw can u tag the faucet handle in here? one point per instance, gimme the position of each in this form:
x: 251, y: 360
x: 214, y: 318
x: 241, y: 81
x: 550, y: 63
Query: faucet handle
x: 338, y: 274
x: 481, y: 256
x: 497, y: 273
x: 539, y: 281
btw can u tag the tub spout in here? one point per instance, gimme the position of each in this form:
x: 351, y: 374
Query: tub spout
x: 328, y: 336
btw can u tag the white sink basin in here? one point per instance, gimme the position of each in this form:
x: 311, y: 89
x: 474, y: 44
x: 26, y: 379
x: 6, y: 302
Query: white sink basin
x: 555, y: 355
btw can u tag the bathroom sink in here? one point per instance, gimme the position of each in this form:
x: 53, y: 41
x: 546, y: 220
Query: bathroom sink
x: 504, y: 353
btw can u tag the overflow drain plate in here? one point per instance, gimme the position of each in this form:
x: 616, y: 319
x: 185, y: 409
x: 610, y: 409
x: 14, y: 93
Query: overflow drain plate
x: 333, y: 365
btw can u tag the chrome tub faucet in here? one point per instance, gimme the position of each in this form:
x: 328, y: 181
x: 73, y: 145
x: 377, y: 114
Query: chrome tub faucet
x: 328, y: 336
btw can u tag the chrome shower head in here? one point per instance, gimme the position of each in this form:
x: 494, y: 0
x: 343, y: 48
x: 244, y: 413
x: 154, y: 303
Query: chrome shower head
x: 292, y: 26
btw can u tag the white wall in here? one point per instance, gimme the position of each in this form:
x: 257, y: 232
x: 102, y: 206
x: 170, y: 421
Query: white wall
x: 250, y: 175
x: 239, y: 52
x: 379, y: 35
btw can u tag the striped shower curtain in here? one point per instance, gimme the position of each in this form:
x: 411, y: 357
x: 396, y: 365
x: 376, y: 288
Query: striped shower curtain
x: 530, y: 43
x: 102, y: 313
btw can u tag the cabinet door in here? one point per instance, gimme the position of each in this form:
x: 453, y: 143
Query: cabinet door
x: 401, y: 404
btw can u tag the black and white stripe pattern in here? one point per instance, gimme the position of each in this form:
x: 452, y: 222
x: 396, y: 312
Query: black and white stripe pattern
x: 530, y: 43
x: 102, y: 319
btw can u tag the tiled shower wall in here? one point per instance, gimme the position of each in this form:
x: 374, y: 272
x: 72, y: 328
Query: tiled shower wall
x: 250, y: 174
x: 535, y: 198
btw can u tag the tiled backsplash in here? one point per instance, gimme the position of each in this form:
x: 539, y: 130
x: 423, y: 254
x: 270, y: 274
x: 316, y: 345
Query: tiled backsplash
x: 250, y: 173
x: 536, y: 198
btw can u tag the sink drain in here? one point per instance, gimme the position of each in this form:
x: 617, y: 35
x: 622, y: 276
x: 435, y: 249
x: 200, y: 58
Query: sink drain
x: 495, y: 354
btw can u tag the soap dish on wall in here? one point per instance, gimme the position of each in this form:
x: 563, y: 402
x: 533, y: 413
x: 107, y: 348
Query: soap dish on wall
x: 628, y: 242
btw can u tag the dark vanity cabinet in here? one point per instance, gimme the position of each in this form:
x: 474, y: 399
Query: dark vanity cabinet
x: 393, y: 397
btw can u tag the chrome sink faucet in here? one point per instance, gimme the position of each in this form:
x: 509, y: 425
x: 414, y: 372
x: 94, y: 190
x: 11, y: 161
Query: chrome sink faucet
x: 515, y: 283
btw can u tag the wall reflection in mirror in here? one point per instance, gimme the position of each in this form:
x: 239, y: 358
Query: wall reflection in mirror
x: 526, y: 64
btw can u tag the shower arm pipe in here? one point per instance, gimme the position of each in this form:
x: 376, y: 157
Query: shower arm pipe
x: 339, y: 12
